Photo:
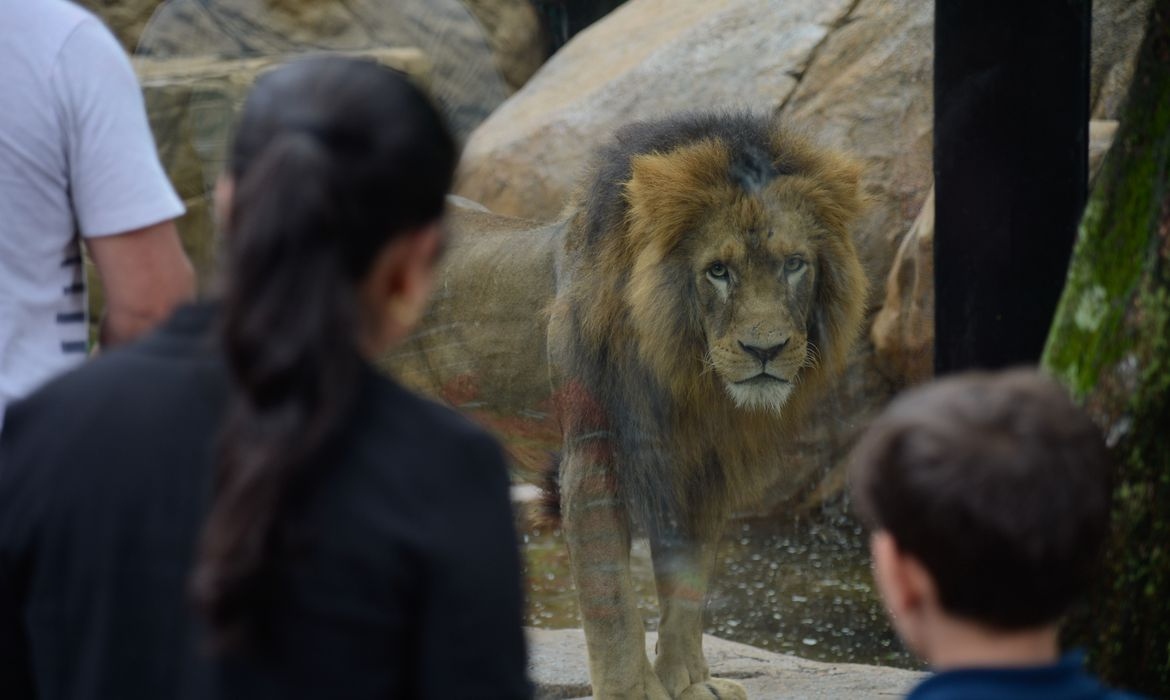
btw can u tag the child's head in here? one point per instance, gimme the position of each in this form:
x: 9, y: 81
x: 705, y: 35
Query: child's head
x: 996, y: 487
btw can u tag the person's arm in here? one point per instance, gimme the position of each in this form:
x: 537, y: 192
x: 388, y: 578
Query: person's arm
x: 145, y: 275
x: 472, y: 642
x: 121, y: 197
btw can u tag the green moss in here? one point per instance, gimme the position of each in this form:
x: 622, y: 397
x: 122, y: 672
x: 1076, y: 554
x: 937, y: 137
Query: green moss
x: 1107, y: 269
x: 1110, y: 343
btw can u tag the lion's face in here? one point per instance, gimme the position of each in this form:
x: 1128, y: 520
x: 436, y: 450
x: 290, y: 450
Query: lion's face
x: 741, y: 285
x: 754, y: 275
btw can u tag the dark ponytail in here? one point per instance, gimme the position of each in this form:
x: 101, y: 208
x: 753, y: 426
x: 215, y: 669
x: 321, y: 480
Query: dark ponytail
x: 332, y: 159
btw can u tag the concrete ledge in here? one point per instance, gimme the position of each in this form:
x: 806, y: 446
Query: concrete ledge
x: 560, y: 671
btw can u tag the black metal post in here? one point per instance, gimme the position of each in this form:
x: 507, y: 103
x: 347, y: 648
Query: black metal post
x: 563, y: 19
x: 1011, y: 96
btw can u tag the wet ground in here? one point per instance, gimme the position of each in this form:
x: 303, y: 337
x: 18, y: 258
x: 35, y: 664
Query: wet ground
x: 794, y: 587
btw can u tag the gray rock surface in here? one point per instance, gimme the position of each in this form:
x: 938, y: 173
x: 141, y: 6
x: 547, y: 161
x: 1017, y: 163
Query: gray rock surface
x: 646, y: 59
x: 465, y: 81
x: 1117, y: 32
x: 559, y: 667
x: 512, y: 28
x: 192, y: 103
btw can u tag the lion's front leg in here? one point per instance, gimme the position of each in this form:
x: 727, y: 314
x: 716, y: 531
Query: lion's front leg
x: 597, y: 531
x: 682, y: 571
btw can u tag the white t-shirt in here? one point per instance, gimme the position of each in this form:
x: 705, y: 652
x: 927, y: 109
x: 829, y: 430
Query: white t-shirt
x: 76, y: 157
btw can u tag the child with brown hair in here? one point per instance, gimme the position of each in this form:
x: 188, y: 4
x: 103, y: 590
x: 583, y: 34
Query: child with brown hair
x: 987, y: 495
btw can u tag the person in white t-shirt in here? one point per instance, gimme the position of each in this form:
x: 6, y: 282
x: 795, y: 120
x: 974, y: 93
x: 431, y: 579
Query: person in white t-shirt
x: 77, y: 162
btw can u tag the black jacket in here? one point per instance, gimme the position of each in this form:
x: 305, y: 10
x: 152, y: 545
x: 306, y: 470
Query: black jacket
x: 405, y: 582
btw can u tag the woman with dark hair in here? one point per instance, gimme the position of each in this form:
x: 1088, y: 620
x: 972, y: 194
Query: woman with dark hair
x: 240, y: 505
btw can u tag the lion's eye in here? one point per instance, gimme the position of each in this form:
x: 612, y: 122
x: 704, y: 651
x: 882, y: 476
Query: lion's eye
x: 793, y: 264
x: 718, y: 271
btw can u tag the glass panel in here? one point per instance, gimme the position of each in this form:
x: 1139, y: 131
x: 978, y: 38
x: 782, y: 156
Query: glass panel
x: 854, y: 76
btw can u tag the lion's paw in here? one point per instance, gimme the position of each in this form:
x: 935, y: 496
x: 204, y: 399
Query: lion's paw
x: 714, y: 689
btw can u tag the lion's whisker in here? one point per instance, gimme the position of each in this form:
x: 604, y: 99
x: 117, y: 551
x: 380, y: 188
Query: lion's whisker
x: 708, y: 364
x: 812, y: 357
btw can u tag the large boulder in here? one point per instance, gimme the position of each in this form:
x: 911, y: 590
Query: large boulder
x: 646, y: 59
x: 464, y: 78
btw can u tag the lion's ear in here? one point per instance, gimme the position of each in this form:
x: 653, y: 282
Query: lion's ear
x: 839, y: 199
x: 666, y: 192
x: 829, y: 180
x: 844, y: 175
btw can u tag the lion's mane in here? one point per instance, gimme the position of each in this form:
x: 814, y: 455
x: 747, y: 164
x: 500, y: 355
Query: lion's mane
x: 625, y: 324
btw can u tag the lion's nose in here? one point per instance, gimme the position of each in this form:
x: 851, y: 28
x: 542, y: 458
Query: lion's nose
x: 763, y: 354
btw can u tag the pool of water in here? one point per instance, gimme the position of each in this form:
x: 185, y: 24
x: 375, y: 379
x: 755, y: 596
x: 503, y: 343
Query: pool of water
x: 796, y: 587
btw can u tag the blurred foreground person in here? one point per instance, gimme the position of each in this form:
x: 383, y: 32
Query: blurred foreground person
x: 239, y: 505
x: 77, y: 163
x: 988, y: 498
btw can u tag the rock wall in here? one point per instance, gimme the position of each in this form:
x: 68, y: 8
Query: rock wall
x: 192, y: 104
x: 513, y: 27
x: 464, y: 80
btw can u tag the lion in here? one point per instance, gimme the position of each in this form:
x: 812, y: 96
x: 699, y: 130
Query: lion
x: 707, y: 290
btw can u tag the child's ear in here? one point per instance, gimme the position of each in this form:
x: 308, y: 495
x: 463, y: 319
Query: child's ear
x: 905, y: 586
x: 398, y: 286
x: 887, y: 572
x: 903, y: 581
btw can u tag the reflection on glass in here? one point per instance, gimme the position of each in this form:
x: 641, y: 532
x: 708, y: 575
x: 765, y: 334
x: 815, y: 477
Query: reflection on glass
x: 853, y: 76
